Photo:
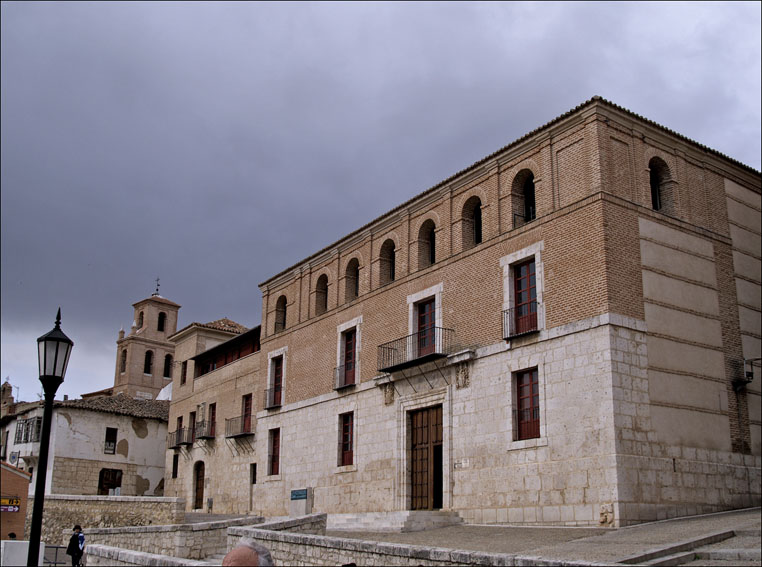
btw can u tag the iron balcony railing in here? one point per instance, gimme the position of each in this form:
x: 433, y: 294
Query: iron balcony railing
x: 344, y: 376
x: 239, y: 426
x: 520, y: 320
x: 279, y: 326
x: 527, y: 217
x: 273, y: 398
x: 179, y: 437
x: 526, y: 423
x: 205, y: 430
x: 420, y: 347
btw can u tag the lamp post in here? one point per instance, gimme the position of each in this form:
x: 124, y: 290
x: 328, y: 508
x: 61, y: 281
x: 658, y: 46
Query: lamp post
x: 53, y: 349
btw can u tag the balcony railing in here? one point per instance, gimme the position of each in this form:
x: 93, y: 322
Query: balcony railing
x: 205, y: 430
x: 344, y: 376
x: 520, y: 320
x: 279, y: 326
x: 420, y: 347
x: 179, y: 437
x: 239, y: 426
x: 273, y: 398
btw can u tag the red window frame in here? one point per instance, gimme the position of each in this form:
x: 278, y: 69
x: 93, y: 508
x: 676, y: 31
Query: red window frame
x: 525, y: 296
x: 527, y: 405
x: 274, y: 467
x: 277, y: 380
x: 426, y: 327
x: 246, y: 413
x: 350, y: 341
x: 212, y: 419
x: 346, y: 439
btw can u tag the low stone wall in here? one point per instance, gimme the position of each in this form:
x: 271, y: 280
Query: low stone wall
x: 299, y: 549
x: 106, y: 555
x: 185, y: 541
x: 63, y: 511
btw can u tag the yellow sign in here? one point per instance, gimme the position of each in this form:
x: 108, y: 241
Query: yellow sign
x: 10, y: 501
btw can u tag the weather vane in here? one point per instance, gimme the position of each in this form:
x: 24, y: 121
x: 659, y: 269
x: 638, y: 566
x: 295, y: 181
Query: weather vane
x: 156, y: 293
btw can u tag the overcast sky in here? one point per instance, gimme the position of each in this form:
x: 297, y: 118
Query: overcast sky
x: 215, y: 144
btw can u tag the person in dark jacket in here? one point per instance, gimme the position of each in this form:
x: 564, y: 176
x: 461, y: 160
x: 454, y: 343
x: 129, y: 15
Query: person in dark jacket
x: 76, y: 547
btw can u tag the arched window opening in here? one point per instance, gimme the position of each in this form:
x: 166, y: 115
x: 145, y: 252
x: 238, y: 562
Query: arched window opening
x: 140, y: 320
x: 168, y: 366
x: 660, y: 178
x: 352, y: 280
x: 123, y: 362
x: 523, y: 198
x: 427, y: 244
x: 280, y: 314
x: 162, y: 321
x: 387, y: 261
x: 321, y: 295
x: 148, y: 365
x: 471, y: 220
x: 530, y: 212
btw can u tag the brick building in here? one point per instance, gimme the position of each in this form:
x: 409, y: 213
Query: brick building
x: 562, y: 333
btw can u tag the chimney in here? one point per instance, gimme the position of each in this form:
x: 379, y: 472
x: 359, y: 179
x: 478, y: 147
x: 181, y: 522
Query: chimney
x: 66, y: 397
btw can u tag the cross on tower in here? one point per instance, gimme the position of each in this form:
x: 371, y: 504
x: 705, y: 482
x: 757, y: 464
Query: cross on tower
x: 156, y: 293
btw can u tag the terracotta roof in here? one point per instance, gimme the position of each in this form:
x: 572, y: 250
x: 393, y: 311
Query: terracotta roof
x: 121, y: 405
x: 105, y: 392
x: 593, y: 100
x: 157, y: 298
x: 226, y: 325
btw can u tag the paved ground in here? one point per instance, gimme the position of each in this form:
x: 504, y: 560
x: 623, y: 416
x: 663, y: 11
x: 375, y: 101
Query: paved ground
x: 582, y: 544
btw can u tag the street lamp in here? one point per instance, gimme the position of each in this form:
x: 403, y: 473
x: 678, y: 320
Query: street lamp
x: 54, y: 349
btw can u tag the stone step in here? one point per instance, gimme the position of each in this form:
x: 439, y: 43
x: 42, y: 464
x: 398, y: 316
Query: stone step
x: 674, y: 559
x: 402, y: 521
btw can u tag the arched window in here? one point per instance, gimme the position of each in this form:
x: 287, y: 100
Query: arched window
x: 387, y: 262
x: 662, y: 197
x: 140, y: 320
x: 148, y: 365
x: 162, y: 321
x: 168, y: 366
x: 472, y: 223
x: 523, y: 198
x: 123, y: 362
x: 427, y: 244
x: 352, y: 280
x: 321, y: 295
x: 280, y: 314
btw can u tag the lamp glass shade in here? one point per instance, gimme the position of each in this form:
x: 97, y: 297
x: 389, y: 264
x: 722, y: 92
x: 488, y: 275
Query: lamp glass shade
x: 54, y: 349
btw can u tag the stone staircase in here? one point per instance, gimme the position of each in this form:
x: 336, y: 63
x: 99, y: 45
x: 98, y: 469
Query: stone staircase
x: 404, y: 521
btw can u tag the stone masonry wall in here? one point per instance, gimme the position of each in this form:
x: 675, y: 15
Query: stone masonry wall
x: 187, y: 541
x: 62, y: 512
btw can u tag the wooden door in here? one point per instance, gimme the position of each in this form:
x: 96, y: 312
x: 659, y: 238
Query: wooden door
x: 426, y: 458
x: 198, y: 500
x: 525, y: 288
x: 426, y: 328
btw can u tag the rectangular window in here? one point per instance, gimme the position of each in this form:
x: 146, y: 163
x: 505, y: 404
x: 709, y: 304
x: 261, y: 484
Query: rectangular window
x: 109, y: 447
x: 525, y: 297
x: 212, y: 419
x: 253, y: 473
x: 246, y: 414
x: 274, y: 464
x: 350, y: 341
x: 346, y: 439
x: 527, y: 405
x: 175, y: 462
x: 184, y: 373
x: 31, y: 474
x: 19, y: 431
x: 109, y: 482
x: 277, y: 381
x: 426, y: 327
x: 192, y: 426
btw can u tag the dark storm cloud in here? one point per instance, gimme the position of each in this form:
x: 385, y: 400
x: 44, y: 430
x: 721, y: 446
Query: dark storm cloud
x: 215, y: 144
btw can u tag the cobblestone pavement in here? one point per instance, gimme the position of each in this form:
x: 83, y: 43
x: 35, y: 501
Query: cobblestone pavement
x: 585, y: 544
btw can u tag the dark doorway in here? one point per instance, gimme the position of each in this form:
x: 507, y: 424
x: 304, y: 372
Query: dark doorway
x: 426, y: 458
x: 109, y: 480
x: 198, y: 476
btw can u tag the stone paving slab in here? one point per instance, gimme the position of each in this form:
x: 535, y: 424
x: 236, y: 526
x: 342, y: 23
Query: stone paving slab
x: 572, y: 544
